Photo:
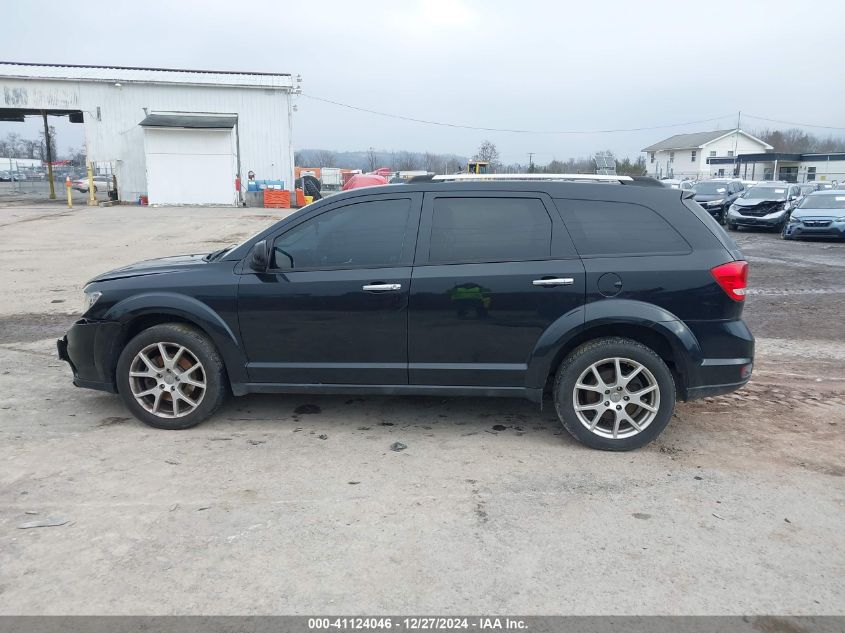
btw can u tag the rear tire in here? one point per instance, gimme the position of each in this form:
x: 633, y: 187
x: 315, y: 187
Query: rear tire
x: 171, y: 376
x: 614, y: 394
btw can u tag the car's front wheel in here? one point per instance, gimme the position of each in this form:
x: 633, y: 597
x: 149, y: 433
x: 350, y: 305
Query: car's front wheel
x: 171, y: 376
x: 614, y: 394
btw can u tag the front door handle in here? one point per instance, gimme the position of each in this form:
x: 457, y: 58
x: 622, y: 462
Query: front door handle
x: 382, y: 287
x: 554, y: 281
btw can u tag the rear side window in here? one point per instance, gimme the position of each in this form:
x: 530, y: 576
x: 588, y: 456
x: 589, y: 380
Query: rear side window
x: 603, y: 228
x: 489, y: 230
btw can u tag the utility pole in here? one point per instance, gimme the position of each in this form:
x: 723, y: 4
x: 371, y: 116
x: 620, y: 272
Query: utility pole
x: 530, y: 162
x: 736, y: 140
x: 49, y: 156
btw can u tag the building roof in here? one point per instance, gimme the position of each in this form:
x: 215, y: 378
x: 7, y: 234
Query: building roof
x: 697, y: 140
x: 138, y: 74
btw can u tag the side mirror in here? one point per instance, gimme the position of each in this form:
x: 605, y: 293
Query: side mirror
x: 260, y: 257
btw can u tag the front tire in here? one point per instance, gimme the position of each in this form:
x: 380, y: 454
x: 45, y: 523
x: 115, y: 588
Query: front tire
x: 614, y: 394
x: 171, y: 376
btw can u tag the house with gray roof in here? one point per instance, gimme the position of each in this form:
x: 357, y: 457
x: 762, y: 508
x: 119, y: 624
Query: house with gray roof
x: 686, y: 156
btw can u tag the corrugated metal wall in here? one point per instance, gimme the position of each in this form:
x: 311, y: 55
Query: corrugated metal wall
x: 263, y: 126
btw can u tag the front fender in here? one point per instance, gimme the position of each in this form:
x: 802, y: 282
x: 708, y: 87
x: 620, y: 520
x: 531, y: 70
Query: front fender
x: 194, y: 311
x: 574, y: 325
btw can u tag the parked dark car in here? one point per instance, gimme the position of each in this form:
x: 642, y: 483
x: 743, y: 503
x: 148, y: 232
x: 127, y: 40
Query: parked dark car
x: 716, y: 196
x: 819, y: 214
x: 615, y: 299
x: 764, y: 206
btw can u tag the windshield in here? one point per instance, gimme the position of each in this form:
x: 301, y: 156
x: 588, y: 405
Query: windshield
x: 765, y: 193
x: 823, y: 202
x: 708, y: 188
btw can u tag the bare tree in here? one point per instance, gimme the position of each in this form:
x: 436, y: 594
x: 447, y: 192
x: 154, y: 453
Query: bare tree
x: 433, y: 163
x: 372, y: 159
x: 453, y: 165
x: 325, y: 158
x: 489, y: 153
x: 299, y: 158
x: 407, y: 161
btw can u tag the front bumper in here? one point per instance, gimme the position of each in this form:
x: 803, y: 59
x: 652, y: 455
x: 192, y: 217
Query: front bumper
x: 772, y: 220
x: 89, y: 347
x: 815, y: 228
x: 716, y: 211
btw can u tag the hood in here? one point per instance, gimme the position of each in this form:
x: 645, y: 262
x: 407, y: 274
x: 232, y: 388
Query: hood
x: 754, y: 202
x: 826, y: 214
x: 154, y: 267
x: 706, y: 197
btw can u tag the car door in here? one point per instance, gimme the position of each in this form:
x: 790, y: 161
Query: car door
x: 492, y: 272
x: 333, y: 306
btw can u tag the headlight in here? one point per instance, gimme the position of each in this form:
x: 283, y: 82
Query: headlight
x: 715, y: 202
x: 90, y: 298
x: 842, y: 219
x: 734, y: 208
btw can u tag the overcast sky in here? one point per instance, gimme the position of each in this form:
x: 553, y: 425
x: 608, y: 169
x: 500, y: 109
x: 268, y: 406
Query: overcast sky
x: 552, y: 66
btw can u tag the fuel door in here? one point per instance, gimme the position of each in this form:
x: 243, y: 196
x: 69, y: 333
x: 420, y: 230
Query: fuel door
x: 610, y: 284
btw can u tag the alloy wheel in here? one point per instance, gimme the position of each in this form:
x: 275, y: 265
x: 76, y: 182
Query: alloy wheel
x: 616, y: 398
x: 167, y: 379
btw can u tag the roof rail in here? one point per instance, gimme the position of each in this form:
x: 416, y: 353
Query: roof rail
x: 595, y: 177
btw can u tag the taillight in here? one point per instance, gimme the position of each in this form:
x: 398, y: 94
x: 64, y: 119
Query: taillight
x: 733, y: 278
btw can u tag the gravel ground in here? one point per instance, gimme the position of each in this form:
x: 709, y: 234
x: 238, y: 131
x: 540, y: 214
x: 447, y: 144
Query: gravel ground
x: 736, y: 509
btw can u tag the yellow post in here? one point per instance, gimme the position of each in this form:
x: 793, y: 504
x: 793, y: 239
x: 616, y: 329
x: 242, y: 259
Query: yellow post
x: 69, y: 195
x: 92, y: 198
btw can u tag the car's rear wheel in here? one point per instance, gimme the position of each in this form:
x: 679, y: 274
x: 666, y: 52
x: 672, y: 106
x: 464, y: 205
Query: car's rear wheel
x: 614, y: 394
x: 171, y: 376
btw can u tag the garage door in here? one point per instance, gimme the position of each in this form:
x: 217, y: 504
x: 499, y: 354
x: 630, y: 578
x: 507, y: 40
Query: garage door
x: 190, y: 166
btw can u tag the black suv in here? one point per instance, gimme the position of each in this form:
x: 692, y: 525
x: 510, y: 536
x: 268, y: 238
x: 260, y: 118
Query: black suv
x: 716, y: 196
x: 616, y: 299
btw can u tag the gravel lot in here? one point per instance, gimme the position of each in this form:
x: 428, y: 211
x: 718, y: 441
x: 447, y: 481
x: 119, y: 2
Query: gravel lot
x: 737, y: 509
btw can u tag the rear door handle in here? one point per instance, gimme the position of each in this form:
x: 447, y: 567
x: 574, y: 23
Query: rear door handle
x: 554, y: 281
x: 382, y: 287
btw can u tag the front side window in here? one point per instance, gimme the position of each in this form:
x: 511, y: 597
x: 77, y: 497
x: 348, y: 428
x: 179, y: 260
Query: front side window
x: 612, y: 229
x: 489, y: 230
x: 360, y: 235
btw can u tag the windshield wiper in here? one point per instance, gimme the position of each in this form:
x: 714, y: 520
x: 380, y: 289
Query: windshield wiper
x: 215, y: 254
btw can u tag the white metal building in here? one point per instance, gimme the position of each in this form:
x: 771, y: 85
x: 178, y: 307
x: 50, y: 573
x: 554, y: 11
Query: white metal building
x: 176, y: 136
x: 687, y: 155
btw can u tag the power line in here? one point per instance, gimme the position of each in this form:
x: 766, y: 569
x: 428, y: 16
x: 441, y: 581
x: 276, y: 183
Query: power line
x: 515, y: 131
x: 824, y: 127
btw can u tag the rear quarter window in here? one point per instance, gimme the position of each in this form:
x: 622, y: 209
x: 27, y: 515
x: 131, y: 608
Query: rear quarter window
x: 612, y: 229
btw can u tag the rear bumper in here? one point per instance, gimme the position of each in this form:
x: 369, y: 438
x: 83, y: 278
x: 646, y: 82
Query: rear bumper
x: 727, y: 359
x: 88, y: 347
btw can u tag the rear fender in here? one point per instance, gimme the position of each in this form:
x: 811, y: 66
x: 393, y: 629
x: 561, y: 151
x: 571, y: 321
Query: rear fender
x: 573, y: 328
x: 191, y: 310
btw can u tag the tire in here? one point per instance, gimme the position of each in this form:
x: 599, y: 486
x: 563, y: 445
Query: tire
x: 723, y: 217
x: 168, y: 402
x: 652, y: 375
